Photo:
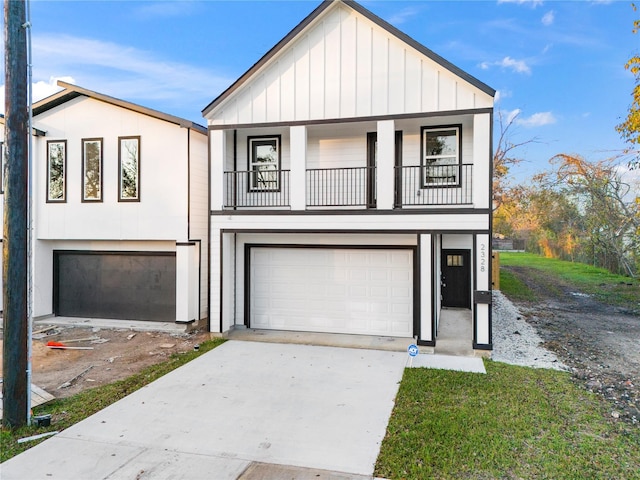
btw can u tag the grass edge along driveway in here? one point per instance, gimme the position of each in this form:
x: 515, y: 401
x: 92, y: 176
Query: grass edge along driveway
x: 513, y: 422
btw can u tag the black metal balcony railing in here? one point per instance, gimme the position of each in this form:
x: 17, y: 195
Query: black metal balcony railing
x: 434, y: 185
x: 341, y: 187
x: 351, y: 187
x: 258, y: 188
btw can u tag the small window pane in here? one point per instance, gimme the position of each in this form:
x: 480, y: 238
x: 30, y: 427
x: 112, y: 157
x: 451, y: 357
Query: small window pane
x: 56, y: 171
x: 455, y: 261
x: 129, y: 157
x: 92, y: 169
x: 264, y: 163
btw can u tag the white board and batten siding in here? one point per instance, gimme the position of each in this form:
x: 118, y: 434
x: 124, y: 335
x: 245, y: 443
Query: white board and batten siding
x: 336, y: 290
x: 344, y: 65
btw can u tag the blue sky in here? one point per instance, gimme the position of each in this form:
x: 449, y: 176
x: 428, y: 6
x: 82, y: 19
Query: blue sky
x: 558, y: 64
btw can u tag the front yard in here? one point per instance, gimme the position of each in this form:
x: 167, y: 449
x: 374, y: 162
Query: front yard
x: 514, y: 422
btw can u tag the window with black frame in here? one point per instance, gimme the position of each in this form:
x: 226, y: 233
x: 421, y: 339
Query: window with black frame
x: 441, y: 156
x: 92, y: 169
x: 129, y: 169
x: 264, y: 163
x: 56, y: 171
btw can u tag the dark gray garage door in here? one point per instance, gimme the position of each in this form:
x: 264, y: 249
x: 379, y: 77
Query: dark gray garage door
x: 121, y: 285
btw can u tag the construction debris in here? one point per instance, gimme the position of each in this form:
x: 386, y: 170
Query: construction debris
x: 62, y: 346
x: 36, y: 437
x: 70, y: 382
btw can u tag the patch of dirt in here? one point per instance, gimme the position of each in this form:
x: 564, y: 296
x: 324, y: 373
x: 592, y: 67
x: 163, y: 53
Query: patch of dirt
x: 599, y: 342
x: 104, y: 356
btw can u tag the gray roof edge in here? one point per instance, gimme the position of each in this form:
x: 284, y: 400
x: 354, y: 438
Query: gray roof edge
x: 72, y: 91
x: 371, y: 16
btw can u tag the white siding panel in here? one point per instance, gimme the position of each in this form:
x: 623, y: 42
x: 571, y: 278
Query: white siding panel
x: 396, y: 74
x: 244, y: 106
x: 259, y: 100
x: 287, y: 85
x: 447, y: 91
x: 364, y: 81
x: 272, y: 82
x: 412, y: 83
x: 332, y: 67
x: 380, y: 74
x: 430, y: 86
x: 348, y: 67
x: 302, y: 93
x: 332, y: 290
x: 316, y: 77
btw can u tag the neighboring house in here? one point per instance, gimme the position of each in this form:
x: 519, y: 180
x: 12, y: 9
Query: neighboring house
x: 351, y: 186
x: 120, y: 210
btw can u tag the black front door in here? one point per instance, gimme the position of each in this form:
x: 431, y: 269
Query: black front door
x: 456, y: 278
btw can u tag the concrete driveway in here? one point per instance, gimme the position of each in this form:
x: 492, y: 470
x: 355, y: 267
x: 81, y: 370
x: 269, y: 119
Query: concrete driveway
x: 244, y: 410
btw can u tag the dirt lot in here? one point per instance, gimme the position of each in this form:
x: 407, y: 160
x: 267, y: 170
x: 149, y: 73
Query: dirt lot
x: 106, y: 355
x: 600, y: 343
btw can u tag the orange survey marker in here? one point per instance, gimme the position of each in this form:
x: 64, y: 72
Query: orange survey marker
x: 62, y: 346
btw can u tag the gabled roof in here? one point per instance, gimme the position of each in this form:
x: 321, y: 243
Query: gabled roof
x: 73, y: 91
x: 366, y: 13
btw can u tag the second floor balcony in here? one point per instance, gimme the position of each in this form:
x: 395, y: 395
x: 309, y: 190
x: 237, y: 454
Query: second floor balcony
x: 350, y: 188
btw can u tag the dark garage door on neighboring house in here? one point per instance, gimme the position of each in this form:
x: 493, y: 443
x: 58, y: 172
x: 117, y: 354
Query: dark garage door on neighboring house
x: 119, y: 285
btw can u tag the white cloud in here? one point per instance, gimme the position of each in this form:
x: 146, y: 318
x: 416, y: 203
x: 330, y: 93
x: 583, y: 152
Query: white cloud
x: 43, y: 89
x: 122, y: 71
x: 531, y: 3
x: 536, y: 120
x: 518, y: 66
x: 548, y: 18
x: 510, y: 116
x: 403, y: 15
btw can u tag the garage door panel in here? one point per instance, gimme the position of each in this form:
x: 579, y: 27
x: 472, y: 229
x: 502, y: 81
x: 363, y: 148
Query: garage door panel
x: 360, y: 291
x: 130, y: 286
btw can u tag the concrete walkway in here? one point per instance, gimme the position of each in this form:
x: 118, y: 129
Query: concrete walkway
x: 244, y: 410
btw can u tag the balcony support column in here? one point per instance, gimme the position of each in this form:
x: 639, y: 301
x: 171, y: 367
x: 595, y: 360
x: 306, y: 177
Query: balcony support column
x: 482, y: 159
x: 217, y: 146
x: 298, y: 175
x: 385, y: 164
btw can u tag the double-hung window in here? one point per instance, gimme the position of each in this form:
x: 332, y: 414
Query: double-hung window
x: 91, y: 169
x: 57, y: 171
x: 264, y: 163
x: 441, y: 156
x: 129, y: 169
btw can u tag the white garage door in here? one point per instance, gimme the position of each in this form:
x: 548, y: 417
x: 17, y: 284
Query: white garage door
x: 358, y: 291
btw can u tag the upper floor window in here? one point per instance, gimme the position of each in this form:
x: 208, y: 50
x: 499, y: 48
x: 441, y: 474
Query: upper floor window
x: 441, y: 156
x: 92, y: 169
x: 57, y: 171
x: 264, y: 163
x: 129, y: 169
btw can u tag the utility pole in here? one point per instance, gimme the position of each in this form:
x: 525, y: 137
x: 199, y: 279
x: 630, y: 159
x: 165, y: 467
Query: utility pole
x: 14, y: 251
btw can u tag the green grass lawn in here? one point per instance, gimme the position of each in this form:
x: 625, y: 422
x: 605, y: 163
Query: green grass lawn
x: 607, y: 287
x: 514, y: 422
x: 68, y: 411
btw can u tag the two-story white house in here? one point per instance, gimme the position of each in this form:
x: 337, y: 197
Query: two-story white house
x: 351, y: 177
x: 120, y: 210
